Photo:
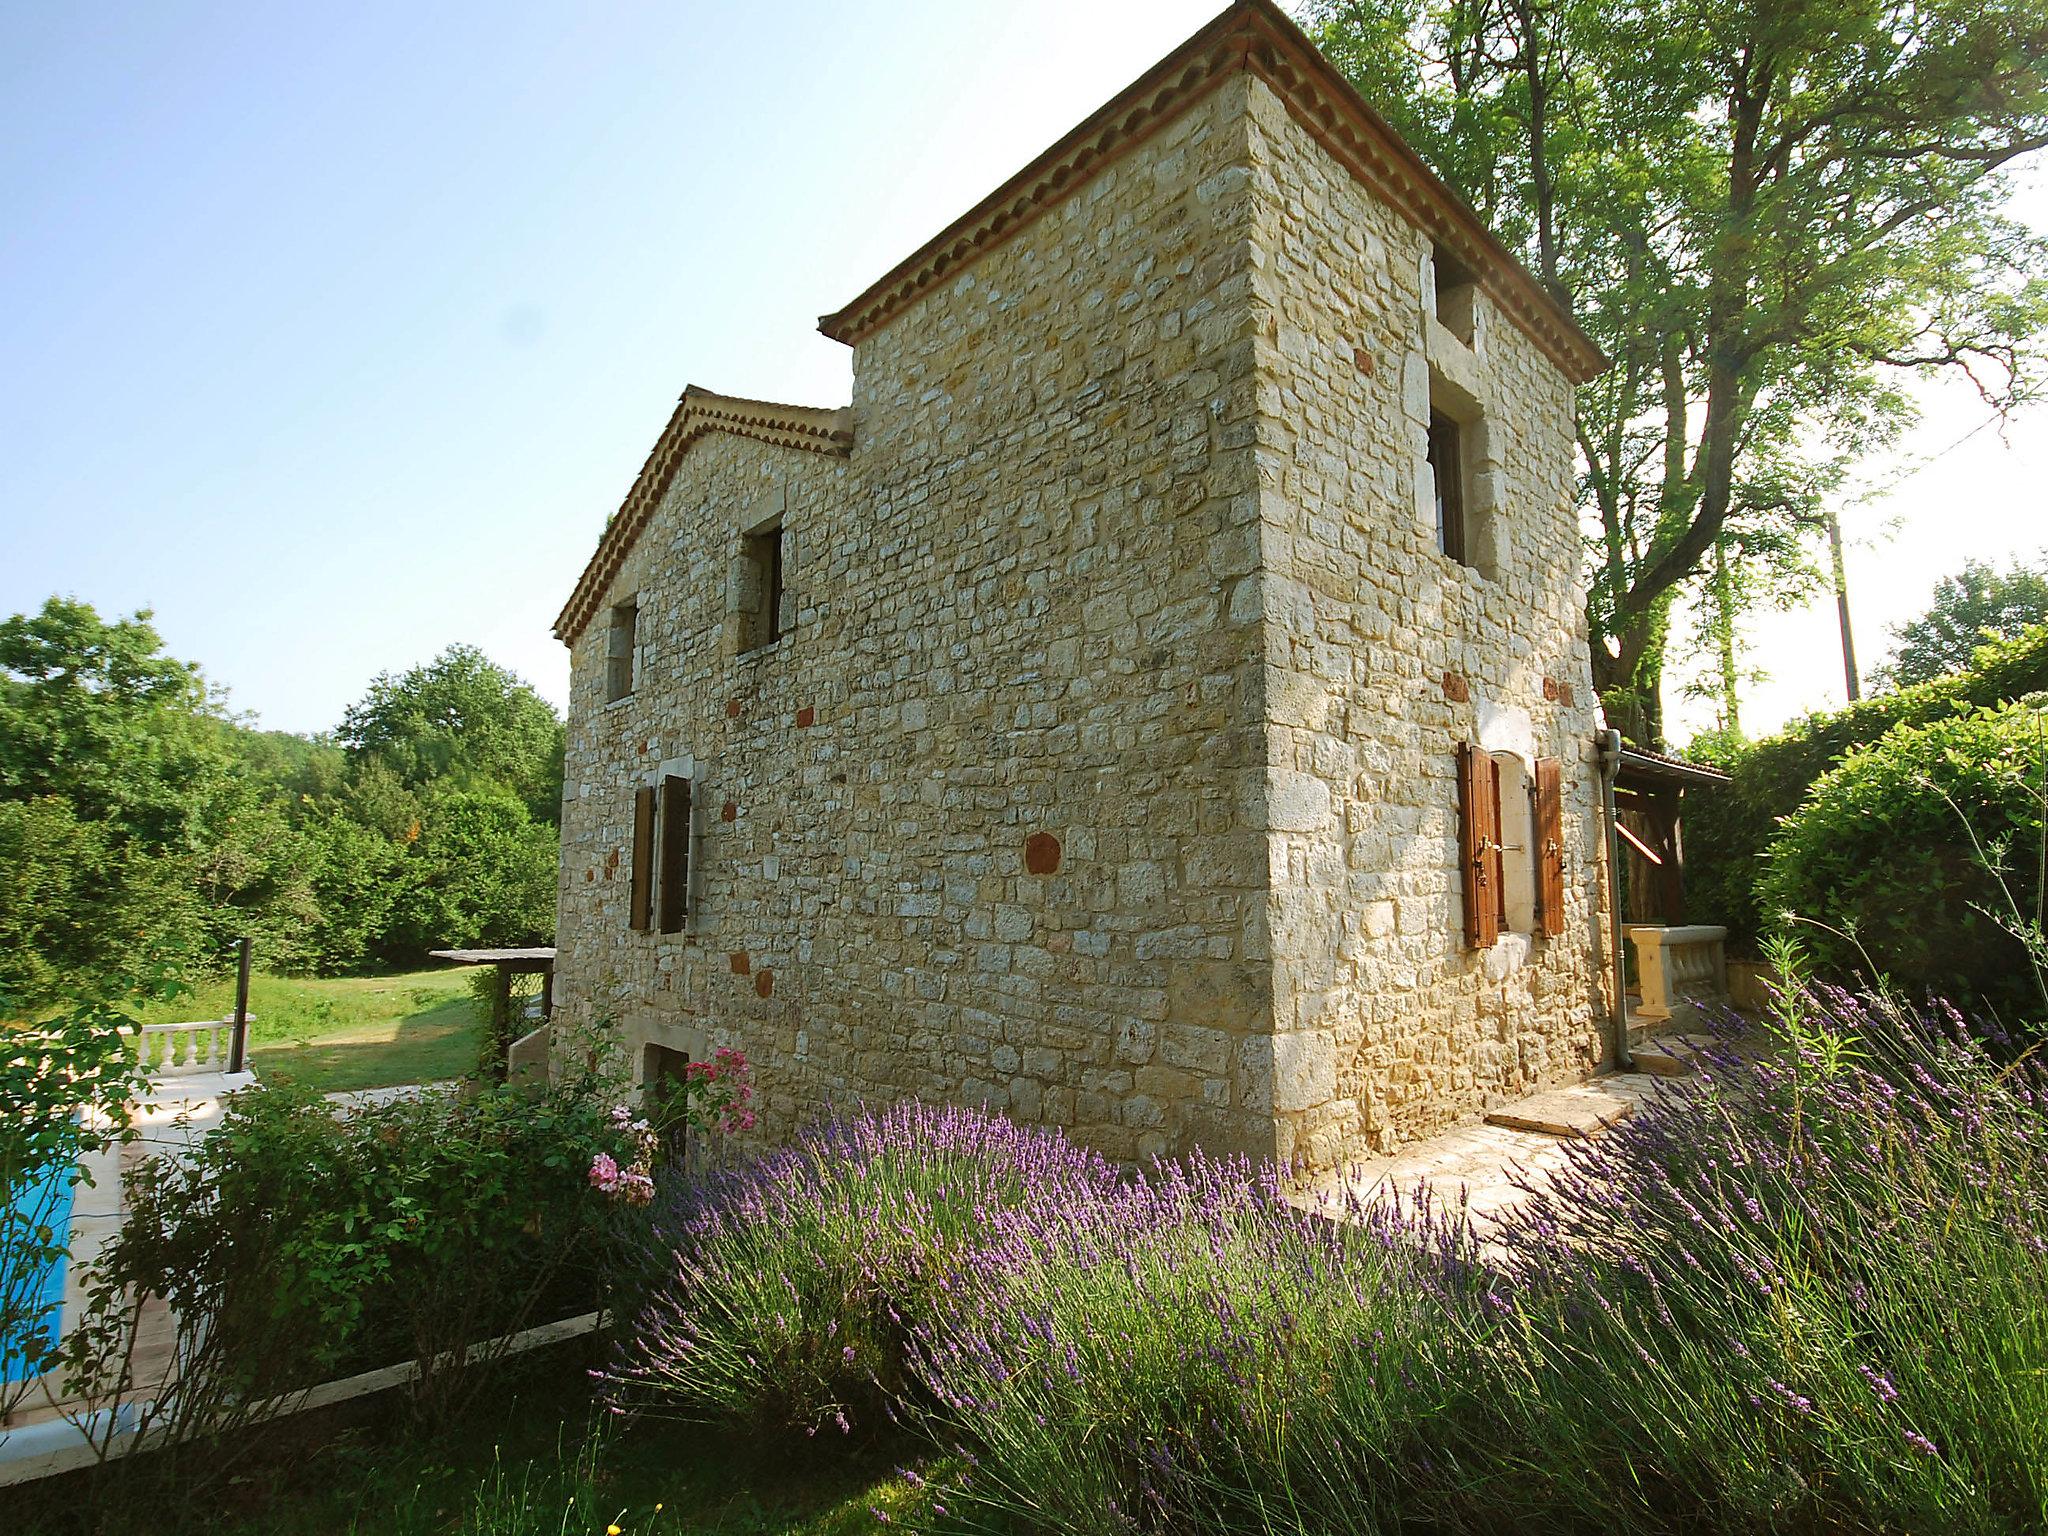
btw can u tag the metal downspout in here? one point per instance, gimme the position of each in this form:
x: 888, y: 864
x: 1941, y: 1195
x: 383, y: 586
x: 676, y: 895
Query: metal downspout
x: 1610, y: 768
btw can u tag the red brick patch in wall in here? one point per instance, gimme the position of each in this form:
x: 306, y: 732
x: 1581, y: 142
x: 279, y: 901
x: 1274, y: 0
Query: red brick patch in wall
x: 732, y: 709
x: 1363, y: 360
x: 764, y: 983
x: 728, y: 812
x: 740, y: 963
x: 1455, y: 688
x: 804, y: 717
x: 1560, y: 693
x: 1042, y: 853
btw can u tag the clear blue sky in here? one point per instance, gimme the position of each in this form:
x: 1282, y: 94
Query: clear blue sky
x: 334, y: 333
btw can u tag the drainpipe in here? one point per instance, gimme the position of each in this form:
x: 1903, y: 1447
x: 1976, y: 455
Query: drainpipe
x: 1610, y: 768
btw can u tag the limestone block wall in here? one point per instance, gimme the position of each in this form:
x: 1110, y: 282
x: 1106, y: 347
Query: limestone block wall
x: 1383, y: 654
x: 1026, y: 613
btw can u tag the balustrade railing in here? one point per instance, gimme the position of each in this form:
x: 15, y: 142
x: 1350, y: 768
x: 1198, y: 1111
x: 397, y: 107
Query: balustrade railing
x: 1678, y: 970
x: 188, y: 1050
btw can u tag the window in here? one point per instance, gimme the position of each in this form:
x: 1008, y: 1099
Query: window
x: 620, y: 641
x: 1515, y: 816
x: 1510, y: 845
x: 663, y: 1075
x: 641, y: 917
x: 761, y: 590
x: 1447, y: 470
x: 1455, y: 296
x: 675, y: 852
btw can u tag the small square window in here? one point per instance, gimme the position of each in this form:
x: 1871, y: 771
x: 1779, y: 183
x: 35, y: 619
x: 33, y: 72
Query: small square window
x: 1447, y: 468
x: 1456, y: 295
x: 621, y: 640
x: 761, y: 591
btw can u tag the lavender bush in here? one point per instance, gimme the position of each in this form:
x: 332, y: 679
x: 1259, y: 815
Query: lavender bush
x: 1804, y: 1291
x: 782, y: 1291
x: 1808, y: 1291
x: 1196, y: 1354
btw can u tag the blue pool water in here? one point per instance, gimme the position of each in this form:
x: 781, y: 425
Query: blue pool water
x: 42, y: 1202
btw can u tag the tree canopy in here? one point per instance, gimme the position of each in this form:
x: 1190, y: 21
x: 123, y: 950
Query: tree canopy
x: 1767, y: 214
x: 143, y: 826
x: 464, y: 720
x: 1978, y: 604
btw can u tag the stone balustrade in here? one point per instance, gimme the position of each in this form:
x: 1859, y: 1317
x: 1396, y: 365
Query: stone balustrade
x: 187, y: 1050
x: 1679, y: 971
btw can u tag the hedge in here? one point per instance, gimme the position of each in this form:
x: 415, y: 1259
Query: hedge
x: 1728, y: 828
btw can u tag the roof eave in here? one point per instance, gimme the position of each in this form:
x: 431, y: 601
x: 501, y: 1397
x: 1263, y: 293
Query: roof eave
x: 1251, y: 35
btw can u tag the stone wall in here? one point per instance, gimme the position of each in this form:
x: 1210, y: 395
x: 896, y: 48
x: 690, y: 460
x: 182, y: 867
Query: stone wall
x: 1020, y: 612
x: 1383, y: 654
x: 1106, y: 772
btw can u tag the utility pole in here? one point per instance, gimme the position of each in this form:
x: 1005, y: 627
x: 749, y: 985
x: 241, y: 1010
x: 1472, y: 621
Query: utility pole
x: 1842, y: 607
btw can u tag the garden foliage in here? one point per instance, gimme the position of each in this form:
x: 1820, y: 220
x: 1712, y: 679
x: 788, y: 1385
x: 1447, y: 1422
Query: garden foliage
x: 1921, y: 854
x: 1728, y: 828
x: 300, y: 1242
x: 779, y: 1295
x: 1800, y: 1292
x: 65, y: 1088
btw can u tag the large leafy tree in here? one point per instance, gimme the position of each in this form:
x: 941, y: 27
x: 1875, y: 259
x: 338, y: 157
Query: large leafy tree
x: 94, y: 713
x: 1979, y: 603
x: 1768, y: 214
x: 461, y: 720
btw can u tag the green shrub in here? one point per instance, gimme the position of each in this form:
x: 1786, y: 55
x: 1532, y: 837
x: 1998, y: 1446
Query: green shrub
x: 1891, y: 847
x: 298, y: 1243
x: 1728, y: 828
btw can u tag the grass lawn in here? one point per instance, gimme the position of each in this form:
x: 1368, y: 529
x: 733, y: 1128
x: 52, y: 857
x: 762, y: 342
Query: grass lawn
x: 523, y: 1465
x: 348, y: 1032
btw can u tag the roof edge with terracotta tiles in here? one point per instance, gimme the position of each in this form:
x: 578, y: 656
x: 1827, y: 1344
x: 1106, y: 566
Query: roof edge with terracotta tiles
x: 1251, y: 35
x: 698, y: 412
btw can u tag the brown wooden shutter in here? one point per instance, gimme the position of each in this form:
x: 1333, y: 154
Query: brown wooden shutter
x: 643, y: 859
x: 1549, y: 850
x: 1479, y: 844
x: 675, y: 852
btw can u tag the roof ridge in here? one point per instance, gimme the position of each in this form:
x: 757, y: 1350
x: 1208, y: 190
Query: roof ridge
x: 1256, y: 36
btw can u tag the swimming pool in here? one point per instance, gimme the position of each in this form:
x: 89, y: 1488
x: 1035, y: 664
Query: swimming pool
x: 38, y: 1292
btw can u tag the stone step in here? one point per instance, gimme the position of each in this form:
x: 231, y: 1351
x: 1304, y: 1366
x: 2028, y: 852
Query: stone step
x: 1667, y: 1055
x: 1584, y: 1111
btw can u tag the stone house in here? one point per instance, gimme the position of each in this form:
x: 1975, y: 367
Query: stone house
x: 1159, y: 704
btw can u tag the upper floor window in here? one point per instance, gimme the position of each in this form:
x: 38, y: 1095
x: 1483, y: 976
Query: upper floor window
x: 621, y: 643
x: 1447, y: 469
x: 761, y: 591
x: 1455, y: 297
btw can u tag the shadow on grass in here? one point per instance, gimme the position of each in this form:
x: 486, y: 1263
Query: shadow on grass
x: 538, y: 1460
x: 433, y: 1040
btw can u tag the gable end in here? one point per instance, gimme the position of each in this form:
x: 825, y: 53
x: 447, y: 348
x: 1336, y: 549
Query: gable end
x: 697, y: 413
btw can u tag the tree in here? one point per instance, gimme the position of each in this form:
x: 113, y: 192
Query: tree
x: 461, y: 720
x: 80, y: 916
x: 97, y: 715
x: 481, y: 871
x: 1978, y: 604
x: 1767, y: 214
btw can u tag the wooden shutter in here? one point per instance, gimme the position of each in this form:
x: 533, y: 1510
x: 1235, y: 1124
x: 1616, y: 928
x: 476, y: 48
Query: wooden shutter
x: 643, y: 858
x: 1479, y: 844
x: 1549, y: 850
x: 675, y: 852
